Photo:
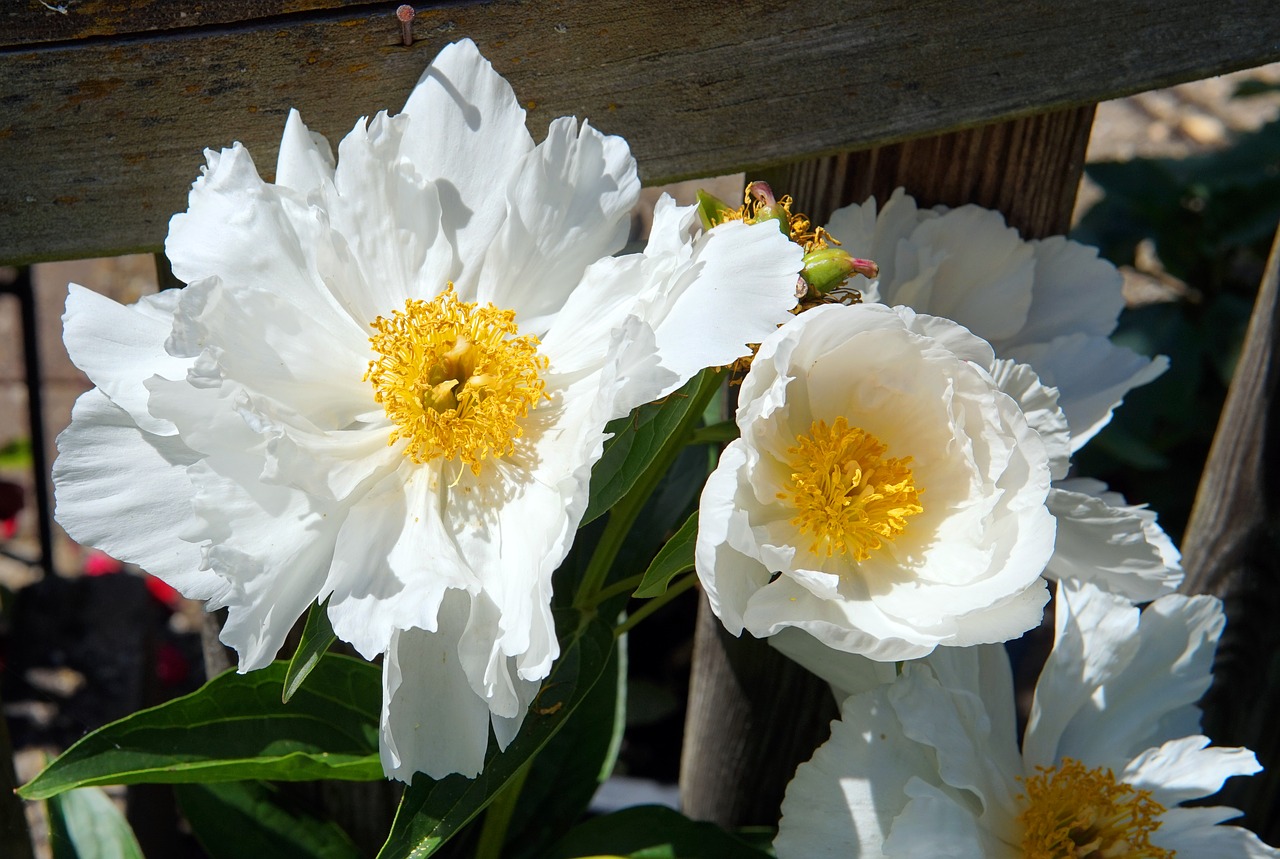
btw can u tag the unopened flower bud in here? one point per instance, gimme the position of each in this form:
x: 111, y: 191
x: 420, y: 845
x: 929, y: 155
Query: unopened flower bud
x: 825, y: 269
x: 713, y: 211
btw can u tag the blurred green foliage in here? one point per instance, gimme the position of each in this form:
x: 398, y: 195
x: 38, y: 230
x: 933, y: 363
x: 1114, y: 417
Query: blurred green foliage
x: 1211, y: 219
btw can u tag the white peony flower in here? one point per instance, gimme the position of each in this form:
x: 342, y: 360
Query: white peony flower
x: 929, y: 765
x: 885, y: 495
x: 386, y: 384
x: 1050, y: 304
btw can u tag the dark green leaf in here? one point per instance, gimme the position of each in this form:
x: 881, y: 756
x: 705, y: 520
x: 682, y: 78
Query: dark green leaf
x: 317, y: 636
x: 431, y: 811
x: 652, y: 832
x: 85, y: 824
x: 639, y: 438
x: 569, y: 770
x: 249, y: 818
x: 674, y: 558
x: 235, y: 728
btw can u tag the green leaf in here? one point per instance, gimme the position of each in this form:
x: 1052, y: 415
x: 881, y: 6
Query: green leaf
x: 639, y: 438
x: 250, y: 818
x: 651, y: 832
x: 317, y: 636
x: 85, y: 824
x: 431, y: 811
x: 674, y: 558
x: 570, y: 768
x: 235, y: 728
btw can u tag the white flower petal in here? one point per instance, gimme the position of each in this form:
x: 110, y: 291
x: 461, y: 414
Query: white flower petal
x: 111, y: 342
x: 1187, y: 768
x: 1115, y: 547
x: 466, y: 133
x: 732, y: 291
x: 1116, y: 675
x: 1092, y: 376
x: 108, y: 470
x: 847, y: 673
x: 305, y: 163
x: 431, y: 720
x: 843, y: 802
x: 1193, y: 832
x: 568, y: 205
x: 940, y: 826
x: 1075, y: 292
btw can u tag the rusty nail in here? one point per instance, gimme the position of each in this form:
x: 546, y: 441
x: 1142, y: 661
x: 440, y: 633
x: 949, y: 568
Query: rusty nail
x: 405, y: 13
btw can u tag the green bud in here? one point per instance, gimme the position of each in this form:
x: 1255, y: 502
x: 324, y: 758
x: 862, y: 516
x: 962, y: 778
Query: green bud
x: 712, y: 210
x: 828, y: 268
x: 773, y: 212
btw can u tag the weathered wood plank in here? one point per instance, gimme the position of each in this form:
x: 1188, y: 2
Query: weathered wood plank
x: 98, y: 141
x: 25, y: 22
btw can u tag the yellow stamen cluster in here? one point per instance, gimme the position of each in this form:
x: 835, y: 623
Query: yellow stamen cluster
x: 847, y: 494
x: 800, y: 229
x: 455, y: 378
x: 1077, y: 813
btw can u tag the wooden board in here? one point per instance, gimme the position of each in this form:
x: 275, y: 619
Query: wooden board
x: 100, y: 137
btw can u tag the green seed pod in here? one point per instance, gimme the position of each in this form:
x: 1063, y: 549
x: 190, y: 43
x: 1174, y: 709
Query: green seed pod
x: 826, y: 269
x: 712, y: 210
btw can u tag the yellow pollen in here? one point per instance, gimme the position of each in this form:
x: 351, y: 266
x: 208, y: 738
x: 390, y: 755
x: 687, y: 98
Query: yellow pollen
x: 848, y: 495
x: 1077, y: 813
x: 455, y: 378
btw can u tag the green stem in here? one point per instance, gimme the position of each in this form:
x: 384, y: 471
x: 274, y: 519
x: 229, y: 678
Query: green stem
x: 624, y: 513
x: 621, y: 586
x: 493, y: 835
x: 656, y: 603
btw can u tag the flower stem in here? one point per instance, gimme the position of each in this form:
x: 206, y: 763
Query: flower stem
x: 656, y: 603
x: 493, y: 834
x: 619, y: 587
x: 624, y: 513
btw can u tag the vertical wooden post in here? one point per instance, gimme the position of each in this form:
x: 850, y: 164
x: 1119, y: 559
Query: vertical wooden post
x: 753, y: 715
x: 1230, y: 551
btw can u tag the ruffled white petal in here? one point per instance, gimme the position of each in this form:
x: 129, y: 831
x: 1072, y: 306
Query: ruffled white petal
x: 1119, y: 548
x: 843, y: 802
x: 1116, y: 676
x: 1092, y: 376
x: 431, y: 720
x: 568, y: 205
x: 466, y: 133
x: 119, y: 347
x: 109, y: 471
x: 1187, y: 768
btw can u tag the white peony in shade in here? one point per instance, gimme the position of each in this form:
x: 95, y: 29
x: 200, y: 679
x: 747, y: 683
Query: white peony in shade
x: 933, y: 532
x: 929, y: 765
x: 1051, y: 304
x: 386, y: 383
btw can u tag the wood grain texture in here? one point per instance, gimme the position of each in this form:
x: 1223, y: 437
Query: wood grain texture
x: 25, y: 22
x: 1231, y: 549
x: 1029, y: 169
x: 100, y: 138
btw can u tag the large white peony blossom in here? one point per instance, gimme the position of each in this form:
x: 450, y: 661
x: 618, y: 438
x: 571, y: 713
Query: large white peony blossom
x: 885, y: 495
x: 386, y: 384
x: 929, y: 765
x: 1050, y: 304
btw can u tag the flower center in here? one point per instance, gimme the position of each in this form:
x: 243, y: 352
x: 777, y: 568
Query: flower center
x: 455, y: 378
x: 847, y: 494
x: 1077, y: 813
